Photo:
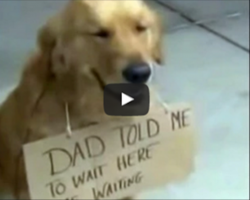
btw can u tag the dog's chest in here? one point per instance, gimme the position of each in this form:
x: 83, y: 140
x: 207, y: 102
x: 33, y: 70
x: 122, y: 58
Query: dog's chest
x: 51, y: 118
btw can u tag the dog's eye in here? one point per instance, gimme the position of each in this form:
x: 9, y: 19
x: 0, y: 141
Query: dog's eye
x: 102, y: 34
x: 141, y: 28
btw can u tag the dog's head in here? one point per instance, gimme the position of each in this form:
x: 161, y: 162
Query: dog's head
x: 113, y: 41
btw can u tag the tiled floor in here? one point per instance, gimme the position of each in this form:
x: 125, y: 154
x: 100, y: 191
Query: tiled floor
x: 200, y: 68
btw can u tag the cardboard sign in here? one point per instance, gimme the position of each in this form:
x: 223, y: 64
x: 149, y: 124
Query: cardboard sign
x: 111, y: 161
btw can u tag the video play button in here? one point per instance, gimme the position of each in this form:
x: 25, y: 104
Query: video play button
x: 126, y: 99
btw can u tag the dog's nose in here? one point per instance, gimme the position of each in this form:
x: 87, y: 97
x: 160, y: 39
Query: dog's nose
x: 137, y: 73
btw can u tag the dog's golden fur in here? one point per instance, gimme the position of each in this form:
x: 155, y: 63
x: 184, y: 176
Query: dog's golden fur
x: 83, y: 47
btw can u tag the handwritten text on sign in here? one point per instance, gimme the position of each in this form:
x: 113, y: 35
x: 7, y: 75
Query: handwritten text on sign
x: 113, y: 160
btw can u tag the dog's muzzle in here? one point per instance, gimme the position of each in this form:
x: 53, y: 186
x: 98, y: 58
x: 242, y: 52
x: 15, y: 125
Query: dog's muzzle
x: 137, y: 72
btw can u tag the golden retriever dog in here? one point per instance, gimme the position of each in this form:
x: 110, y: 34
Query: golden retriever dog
x: 81, y: 49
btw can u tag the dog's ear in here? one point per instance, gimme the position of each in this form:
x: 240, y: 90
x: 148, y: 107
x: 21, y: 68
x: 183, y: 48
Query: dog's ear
x: 158, y: 51
x: 48, y: 42
x: 88, y: 2
x: 48, y: 34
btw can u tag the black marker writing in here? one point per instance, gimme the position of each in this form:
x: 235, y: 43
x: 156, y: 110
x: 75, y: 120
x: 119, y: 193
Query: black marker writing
x: 72, y: 198
x: 179, y: 119
x: 57, y: 188
x: 87, y: 176
x: 141, y: 155
x: 134, y: 133
x: 110, y: 188
x: 70, y: 158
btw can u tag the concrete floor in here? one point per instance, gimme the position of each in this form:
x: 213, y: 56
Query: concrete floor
x: 201, y: 68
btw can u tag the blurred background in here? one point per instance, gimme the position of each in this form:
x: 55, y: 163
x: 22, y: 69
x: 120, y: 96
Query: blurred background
x: 206, y: 47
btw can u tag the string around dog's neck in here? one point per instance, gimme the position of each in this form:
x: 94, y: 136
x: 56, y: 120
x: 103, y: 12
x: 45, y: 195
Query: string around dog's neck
x: 68, y: 122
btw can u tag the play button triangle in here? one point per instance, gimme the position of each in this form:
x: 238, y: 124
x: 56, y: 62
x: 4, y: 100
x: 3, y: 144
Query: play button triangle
x: 126, y: 99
